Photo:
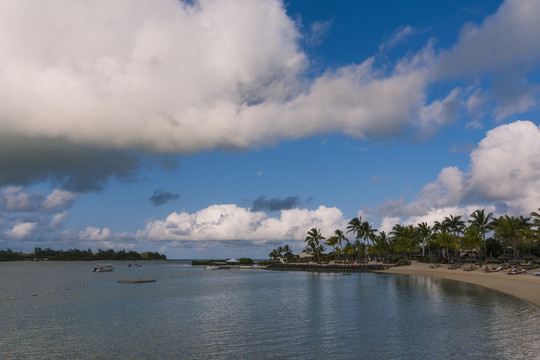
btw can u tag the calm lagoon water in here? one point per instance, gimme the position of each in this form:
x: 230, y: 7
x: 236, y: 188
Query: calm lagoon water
x: 192, y: 313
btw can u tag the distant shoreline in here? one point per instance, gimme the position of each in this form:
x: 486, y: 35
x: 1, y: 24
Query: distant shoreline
x: 524, y: 286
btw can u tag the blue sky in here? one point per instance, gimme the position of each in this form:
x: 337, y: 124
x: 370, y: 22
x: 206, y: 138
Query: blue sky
x: 226, y: 128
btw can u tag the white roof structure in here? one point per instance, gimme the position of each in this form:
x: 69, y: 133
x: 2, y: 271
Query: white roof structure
x: 233, y: 261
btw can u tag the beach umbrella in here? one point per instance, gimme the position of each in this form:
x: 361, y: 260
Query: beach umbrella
x: 492, y: 260
x: 518, y: 260
x: 506, y: 256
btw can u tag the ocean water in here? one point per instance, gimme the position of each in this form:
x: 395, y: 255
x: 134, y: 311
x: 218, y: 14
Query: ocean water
x: 192, y: 313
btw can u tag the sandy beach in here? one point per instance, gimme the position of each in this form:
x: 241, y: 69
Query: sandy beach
x: 524, y: 286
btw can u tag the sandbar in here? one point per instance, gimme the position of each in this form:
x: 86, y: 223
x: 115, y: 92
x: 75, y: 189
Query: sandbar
x: 524, y: 286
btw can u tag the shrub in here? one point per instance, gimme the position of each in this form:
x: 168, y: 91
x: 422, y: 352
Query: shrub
x: 402, y: 262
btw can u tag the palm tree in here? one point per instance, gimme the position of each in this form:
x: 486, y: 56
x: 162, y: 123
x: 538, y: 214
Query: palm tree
x: 446, y: 240
x: 313, y: 240
x: 508, y: 228
x: 333, y: 242
x: 482, y: 222
x: 440, y: 228
x: 355, y: 226
x: 456, y: 226
x: 368, y: 232
x: 425, y: 233
x: 360, y: 249
x: 380, y: 246
x: 405, y: 238
x: 286, y: 249
x: 472, y: 237
x: 273, y: 254
x: 340, y: 237
x: 536, y: 219
x: 526, y: 232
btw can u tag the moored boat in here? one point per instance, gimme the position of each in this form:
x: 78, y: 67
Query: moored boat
x: 103, y: 268
x: 217, y: 267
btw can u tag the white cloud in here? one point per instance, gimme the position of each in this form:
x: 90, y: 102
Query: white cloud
x: 397, y: 36
x: 504, y: 169
x: 180, y: 78
x: 58, y: 219
x: 318, y: 31
x: 58, y: 200
x: 230, y: 223
x: 506, y: 166
x: 14, y: 199
x: 21, y: 230
x: 138, y: 73
x: 504, y: 40
x: 440, y: 112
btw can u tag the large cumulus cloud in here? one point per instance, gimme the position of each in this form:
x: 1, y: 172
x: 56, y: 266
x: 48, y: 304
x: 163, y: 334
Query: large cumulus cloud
x: 169, y: 76
x: 229, y: 222
x: 504, y: 175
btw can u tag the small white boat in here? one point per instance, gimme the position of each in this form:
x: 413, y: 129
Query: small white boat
x: 103, y: 268
x: 217, y: 267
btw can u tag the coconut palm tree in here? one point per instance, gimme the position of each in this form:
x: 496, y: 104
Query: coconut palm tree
x: 286, y: 249
x: 440, y: 228
x: 273, y: 254
x: 483, y: 223
x: 536, y: 219
x: 424, y: 231
x: 368, y: 232
x: 456, y: 227
x: 508, y: 228
x: 359, y: 249
x: 355, y: 226
x: 473, y: 237
x: 405, y: 238
x: 447, y: 241
x: 333, y: 242
x: 381, y: 245
x: 313, y: 241
x: 336, y: 241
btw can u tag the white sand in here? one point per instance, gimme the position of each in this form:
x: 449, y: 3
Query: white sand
x: 524, y: 286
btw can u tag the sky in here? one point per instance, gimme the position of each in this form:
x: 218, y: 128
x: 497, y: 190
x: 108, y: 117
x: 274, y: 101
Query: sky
x: 226, y: 128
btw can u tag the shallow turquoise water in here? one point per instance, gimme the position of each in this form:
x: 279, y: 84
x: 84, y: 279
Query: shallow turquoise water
x: 191, y: 313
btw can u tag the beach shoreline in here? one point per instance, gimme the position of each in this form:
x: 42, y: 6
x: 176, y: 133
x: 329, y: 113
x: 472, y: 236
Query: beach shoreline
x: 524, y: 286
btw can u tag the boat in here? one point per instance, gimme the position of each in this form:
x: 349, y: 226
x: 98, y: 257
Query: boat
x: 217, y: 267
x: 454, y: 266
x: 469, y: 268
x: 103, y: 268
x: 516, y: 271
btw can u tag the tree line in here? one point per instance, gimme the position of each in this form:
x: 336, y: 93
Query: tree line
x: 482, y: 234
x: 76, y: 254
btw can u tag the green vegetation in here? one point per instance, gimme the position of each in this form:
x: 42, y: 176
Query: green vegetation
x: 478, y: 238
x: 75, y: 254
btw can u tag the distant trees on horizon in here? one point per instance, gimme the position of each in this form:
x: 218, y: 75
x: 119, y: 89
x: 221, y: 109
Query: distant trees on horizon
x: 76, y: 254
